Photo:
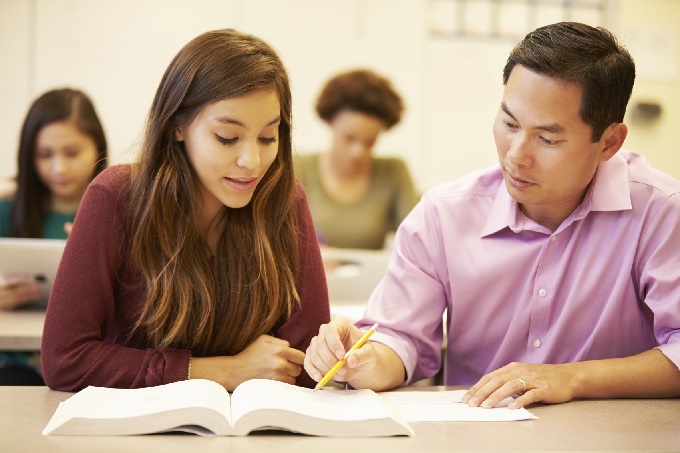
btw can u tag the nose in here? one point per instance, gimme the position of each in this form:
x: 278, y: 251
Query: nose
x: 359, y: 149
x: 519, y: 153
x: 58, y: 164
x: 249, y: 156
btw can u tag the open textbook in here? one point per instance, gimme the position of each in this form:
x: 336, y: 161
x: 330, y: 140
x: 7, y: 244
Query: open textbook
x: 204, y: 407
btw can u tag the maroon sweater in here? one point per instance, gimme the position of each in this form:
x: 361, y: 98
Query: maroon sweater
x: 87, y: 338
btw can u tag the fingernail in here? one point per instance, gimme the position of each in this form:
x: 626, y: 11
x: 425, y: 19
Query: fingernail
x: 465, y: 398
x: 352, y: 361
x: 487, y: 404
x: 474, y: 401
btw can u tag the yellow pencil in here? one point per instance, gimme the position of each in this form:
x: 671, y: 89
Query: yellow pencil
x: 324, y: 380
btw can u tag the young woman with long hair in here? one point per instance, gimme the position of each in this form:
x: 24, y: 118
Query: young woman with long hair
x: 62, y: 146
x: 200, y: 260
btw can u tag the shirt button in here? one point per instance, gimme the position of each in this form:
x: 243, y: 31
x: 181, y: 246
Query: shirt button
x: 536, y: 343
x: 553, y: 238
x: 542, y: 292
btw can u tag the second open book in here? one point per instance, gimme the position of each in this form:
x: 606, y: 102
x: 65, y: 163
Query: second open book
x: 204, y: 407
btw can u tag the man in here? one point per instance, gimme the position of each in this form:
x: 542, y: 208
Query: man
x: 559, y: 269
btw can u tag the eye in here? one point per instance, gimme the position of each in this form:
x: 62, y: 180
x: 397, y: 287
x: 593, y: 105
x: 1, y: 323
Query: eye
x: 548, y: 142
x: 510, y: 126
x: 268, y: 140
x: 226, y: 141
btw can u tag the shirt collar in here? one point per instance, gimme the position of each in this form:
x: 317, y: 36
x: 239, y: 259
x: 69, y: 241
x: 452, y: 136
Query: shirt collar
x: 609, y: 191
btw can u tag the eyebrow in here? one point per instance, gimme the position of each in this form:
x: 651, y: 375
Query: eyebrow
x: 553, y: 128
x: 227, y: 120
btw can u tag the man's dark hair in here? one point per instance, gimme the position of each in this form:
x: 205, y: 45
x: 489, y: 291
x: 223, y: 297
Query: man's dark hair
x: 586, y: 56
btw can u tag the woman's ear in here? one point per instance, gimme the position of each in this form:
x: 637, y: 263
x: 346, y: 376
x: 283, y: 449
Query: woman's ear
x: 179, y: 135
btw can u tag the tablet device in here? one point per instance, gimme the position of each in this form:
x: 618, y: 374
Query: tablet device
x: 39, y: 258
x: 352, y: 274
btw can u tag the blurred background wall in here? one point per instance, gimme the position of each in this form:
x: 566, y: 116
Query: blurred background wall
x: 444, y: 56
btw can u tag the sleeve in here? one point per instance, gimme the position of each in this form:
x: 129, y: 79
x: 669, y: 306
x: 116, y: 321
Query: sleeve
x: 659, y: 276
x: 314, y: 310
x: 83, y: 338
x: 410, y: 301
x: 406, y: 196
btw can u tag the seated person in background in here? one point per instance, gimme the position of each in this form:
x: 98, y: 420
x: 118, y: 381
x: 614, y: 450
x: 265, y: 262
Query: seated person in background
x: 357, y: 199
x: 61, y: 148
x: 200, y: 260
x: 559, y: 268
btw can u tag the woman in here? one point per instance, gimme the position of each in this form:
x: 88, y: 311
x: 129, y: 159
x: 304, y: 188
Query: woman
x: 357, y: 200
x: 200, y: 260
x: 61, y: 148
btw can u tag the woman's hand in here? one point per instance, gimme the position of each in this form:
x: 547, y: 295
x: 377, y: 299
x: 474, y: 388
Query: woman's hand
x: 266, y: 358
x: 17, y: 290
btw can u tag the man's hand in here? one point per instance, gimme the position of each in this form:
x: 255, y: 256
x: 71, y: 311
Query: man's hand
x: 373, y: 365
x: 532, y: 383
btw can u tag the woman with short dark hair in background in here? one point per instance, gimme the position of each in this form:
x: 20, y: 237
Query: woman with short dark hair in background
x: 357, y: 199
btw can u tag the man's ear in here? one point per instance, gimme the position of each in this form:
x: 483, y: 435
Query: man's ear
x: 179, y: 134
x: 613, y: 138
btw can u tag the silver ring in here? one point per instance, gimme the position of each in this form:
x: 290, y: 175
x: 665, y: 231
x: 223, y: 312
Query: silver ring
x: 524, y: 386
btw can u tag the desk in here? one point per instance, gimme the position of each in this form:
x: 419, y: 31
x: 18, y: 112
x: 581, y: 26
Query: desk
x: 608, y: 425
x: 21, y: 330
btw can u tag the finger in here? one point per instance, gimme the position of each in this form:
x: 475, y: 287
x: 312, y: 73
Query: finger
x: 509, y: 388
x: 329, y: 344
x: 485, y: 387
x: 531, y: 396
x: 27, y: 292
x: 295, y: 356
x: 318, y: 359
x: 13, y: 296
x: 472, y: 391
x: 11, y: 280
x: 284, y: 377
x: 330, y: 334
x: 313, y: 371
x: 294, y: 370
x: 68, y: 226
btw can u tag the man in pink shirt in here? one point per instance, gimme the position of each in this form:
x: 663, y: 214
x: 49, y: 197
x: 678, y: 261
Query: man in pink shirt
x: 558, y: 269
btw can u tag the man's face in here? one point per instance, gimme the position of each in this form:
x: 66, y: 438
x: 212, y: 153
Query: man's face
x: 544, y: 147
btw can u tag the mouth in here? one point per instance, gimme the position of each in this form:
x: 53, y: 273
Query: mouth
x: 518, y: 181
x: 240, y: 183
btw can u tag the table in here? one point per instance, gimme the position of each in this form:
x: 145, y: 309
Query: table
x: 606, y: 425
x: 21, y: 330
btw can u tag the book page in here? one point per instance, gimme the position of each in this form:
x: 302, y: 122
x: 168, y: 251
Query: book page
x: 263, y: 394
x: 123, y: 403
x: 446, y: 407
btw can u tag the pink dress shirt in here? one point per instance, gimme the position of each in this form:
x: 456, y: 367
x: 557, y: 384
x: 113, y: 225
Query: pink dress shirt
x: 605, y: 284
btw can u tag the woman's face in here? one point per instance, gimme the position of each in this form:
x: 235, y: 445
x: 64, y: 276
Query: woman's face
x: 354, y: 135
x: 64, y: 160
x: 231, y: 144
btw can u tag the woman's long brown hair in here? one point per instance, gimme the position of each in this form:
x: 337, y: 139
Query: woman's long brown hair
x: 252, y: 284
